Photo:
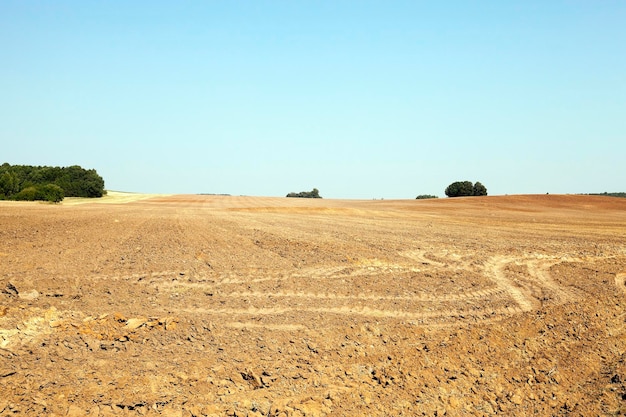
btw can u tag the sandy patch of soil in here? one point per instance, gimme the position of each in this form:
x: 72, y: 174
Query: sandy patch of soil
x: 112, y: 197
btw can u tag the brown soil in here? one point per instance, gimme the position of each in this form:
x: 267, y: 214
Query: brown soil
x: 213, y: 305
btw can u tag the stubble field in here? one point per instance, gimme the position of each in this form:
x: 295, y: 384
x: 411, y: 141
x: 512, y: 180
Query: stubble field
x: 191, y: 305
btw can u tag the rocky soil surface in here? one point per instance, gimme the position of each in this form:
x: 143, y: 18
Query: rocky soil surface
x: 241, y: 306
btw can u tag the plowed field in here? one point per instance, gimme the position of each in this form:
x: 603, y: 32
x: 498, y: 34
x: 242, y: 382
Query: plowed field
x: 193, y: 305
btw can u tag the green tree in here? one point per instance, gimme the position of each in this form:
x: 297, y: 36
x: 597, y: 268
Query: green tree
x: 465, y: 189
x: 9, y: 184
x: 460, y: 189
x: 479, y: 189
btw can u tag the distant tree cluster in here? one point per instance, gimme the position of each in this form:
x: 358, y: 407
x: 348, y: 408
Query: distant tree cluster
x: 306, y: 194
x: 621, y: 195
x: 425, y: 197
x: 25, y: 182
x: 465, y: 189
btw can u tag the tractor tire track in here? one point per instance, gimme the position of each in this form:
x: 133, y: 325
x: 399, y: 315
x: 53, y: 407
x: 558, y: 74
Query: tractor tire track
x: 620, y: 281
x: 494, y: 268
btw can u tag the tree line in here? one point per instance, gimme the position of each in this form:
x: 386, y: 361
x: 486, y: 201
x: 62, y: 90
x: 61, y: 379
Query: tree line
x: 306, y: 194
x: 456, y: 189
x: 26, y: 182
x: 620, y: 195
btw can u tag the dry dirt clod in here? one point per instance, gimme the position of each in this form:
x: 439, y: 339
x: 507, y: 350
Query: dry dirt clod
x: 75, y: 411
x: 29, y: 295
x: 135, y: 323
x: 253, y: 379
x: 10, y: 289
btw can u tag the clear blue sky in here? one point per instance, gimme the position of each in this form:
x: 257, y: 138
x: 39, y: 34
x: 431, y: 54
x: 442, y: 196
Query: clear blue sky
x: 361, y: 99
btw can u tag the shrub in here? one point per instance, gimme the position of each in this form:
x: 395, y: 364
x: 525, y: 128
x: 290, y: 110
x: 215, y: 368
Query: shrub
x: 50, y: 192
x: 27, y: 194
x: 425, y: 197
x: 47, y: 192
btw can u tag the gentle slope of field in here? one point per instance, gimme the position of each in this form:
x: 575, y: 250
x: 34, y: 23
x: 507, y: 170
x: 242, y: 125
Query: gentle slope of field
x: 190, y: 305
